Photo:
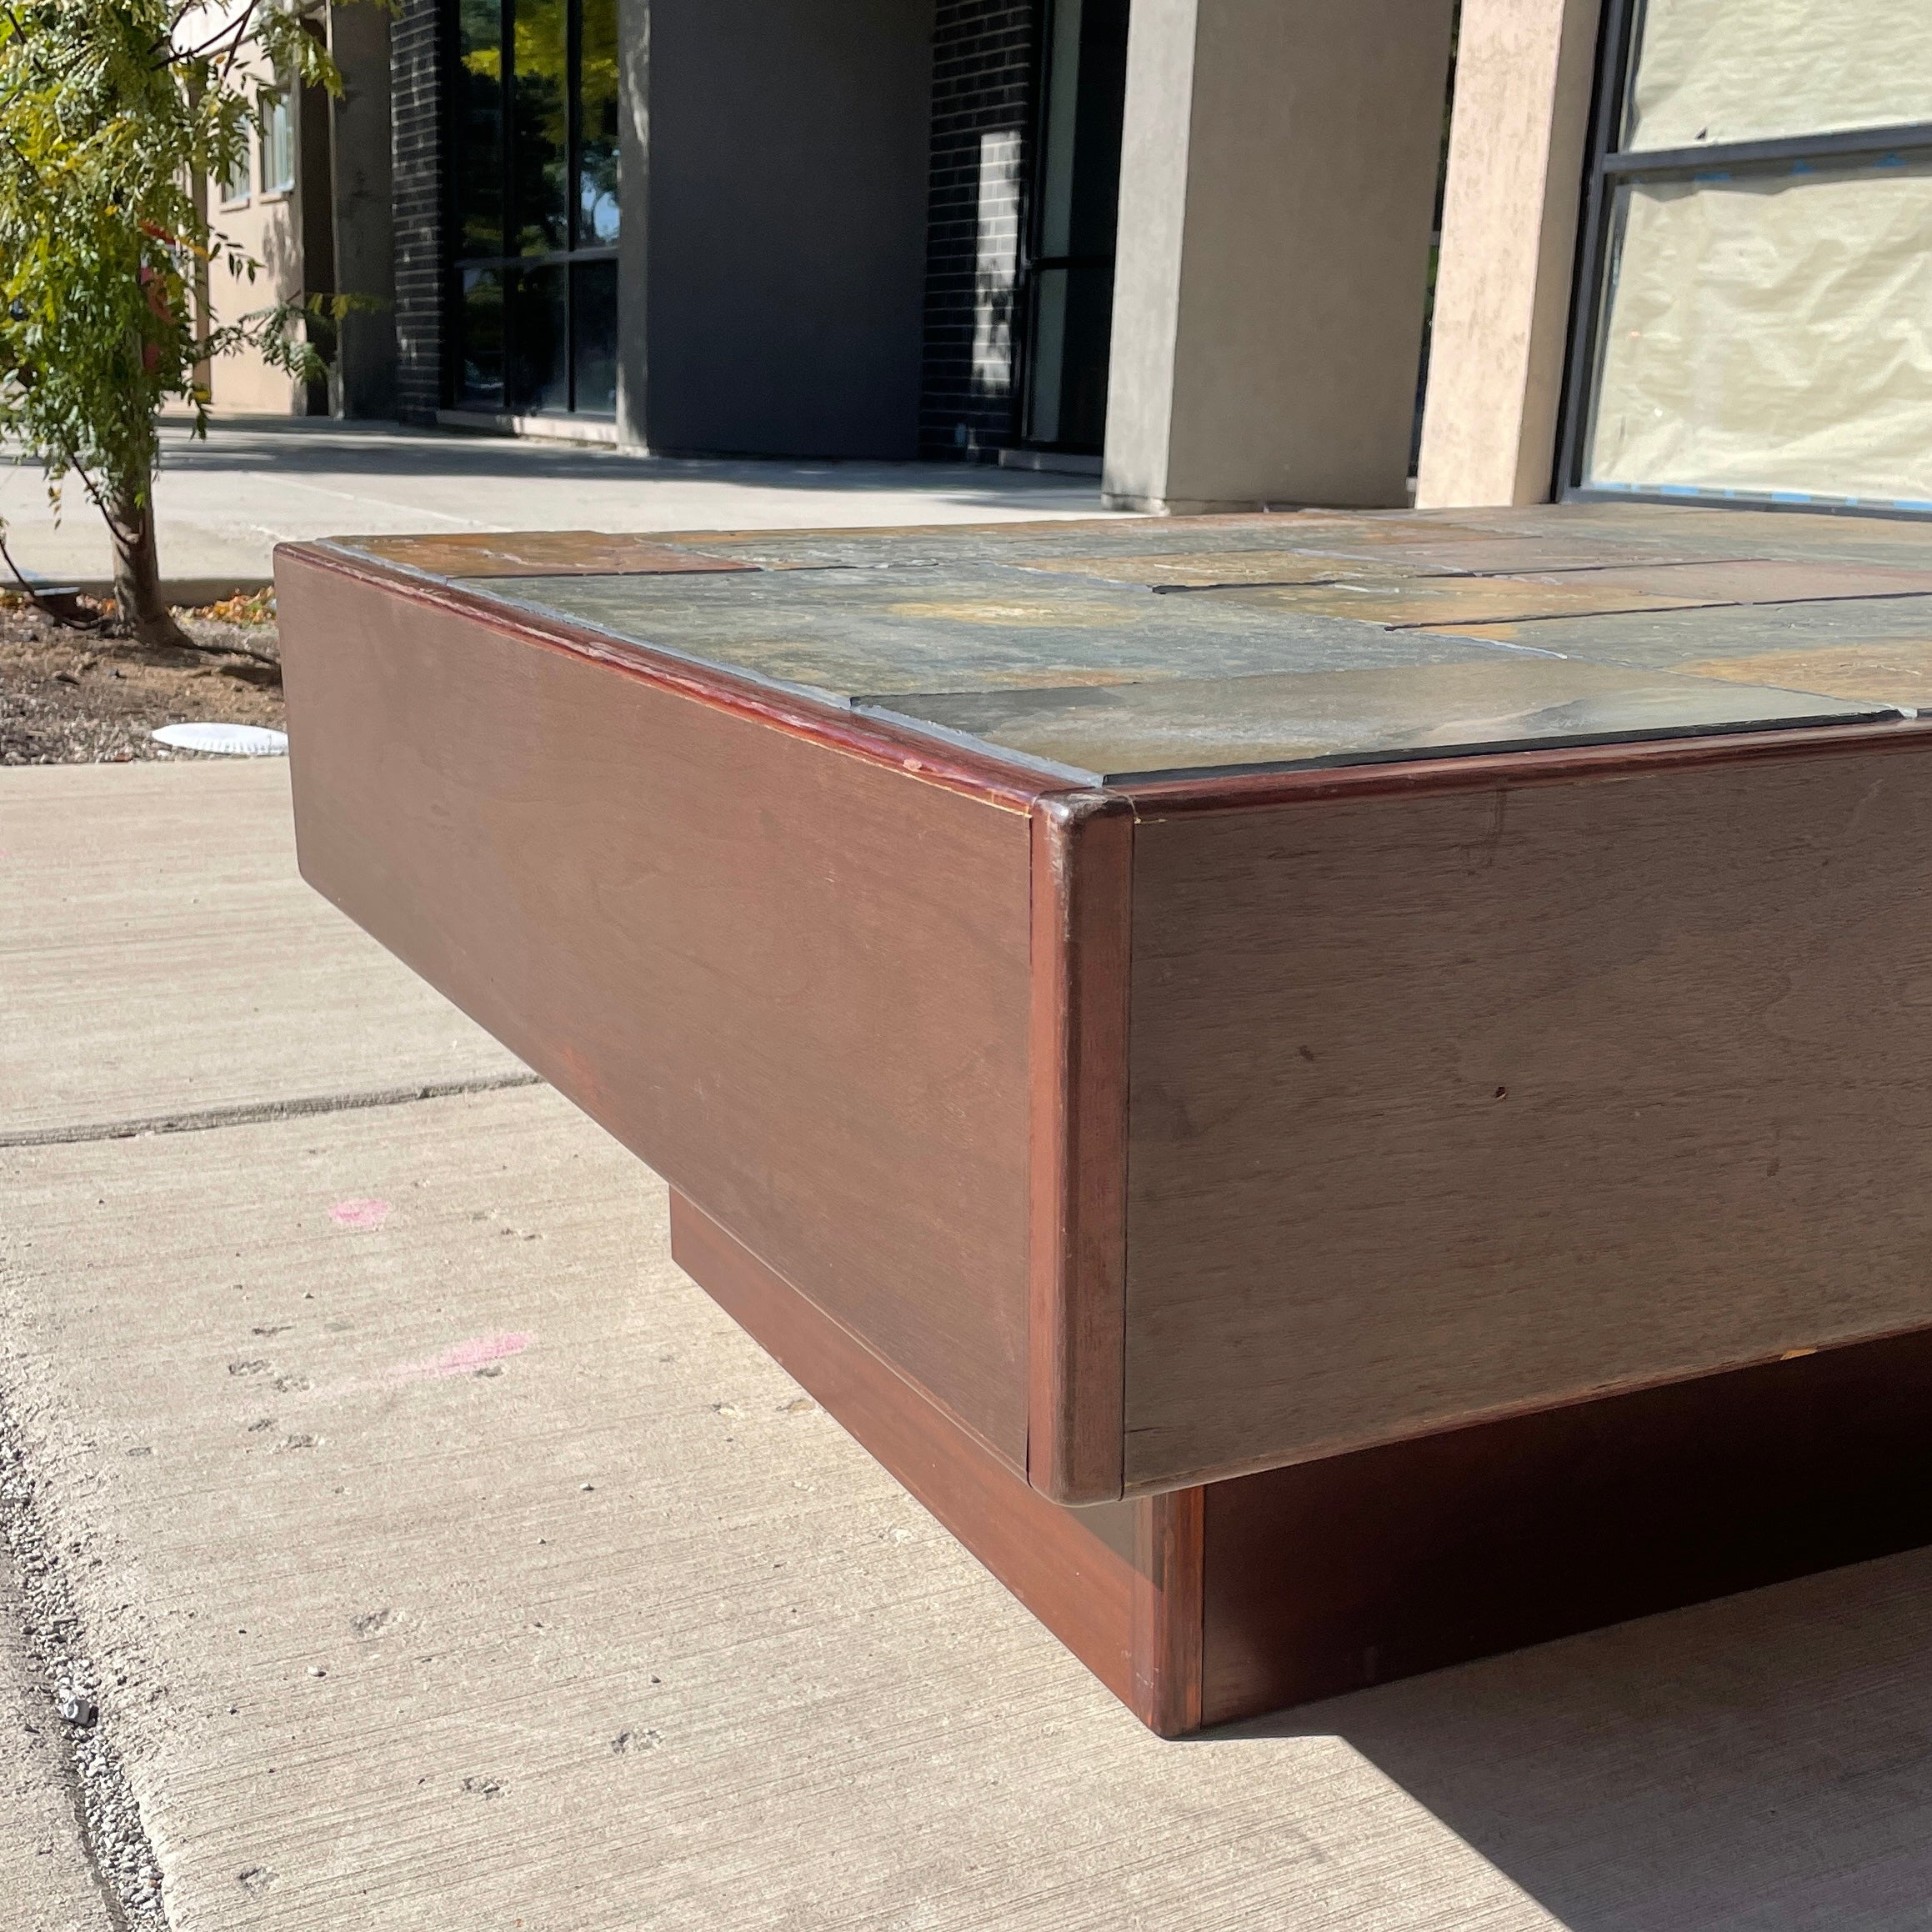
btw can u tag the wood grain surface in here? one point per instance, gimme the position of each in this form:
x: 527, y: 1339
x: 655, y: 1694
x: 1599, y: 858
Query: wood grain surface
x: 793, y: 979
x: 1082, y: 856
x: 1074, y: 1568
x: 1169, y: 1584
x: 1447, y: 1107
x: 1332, y: 1575
x: 1158, y: 800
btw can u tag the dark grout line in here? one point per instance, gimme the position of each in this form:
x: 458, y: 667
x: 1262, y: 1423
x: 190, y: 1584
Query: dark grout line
x: 1671, y: 609
x: 254, y: 1113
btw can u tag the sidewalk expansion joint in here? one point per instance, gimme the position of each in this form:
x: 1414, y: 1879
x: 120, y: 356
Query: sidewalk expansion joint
x: 254, y: 1113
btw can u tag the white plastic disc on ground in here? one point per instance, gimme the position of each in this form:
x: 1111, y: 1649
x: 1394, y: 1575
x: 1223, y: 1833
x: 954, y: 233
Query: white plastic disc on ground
x: 237, y: 740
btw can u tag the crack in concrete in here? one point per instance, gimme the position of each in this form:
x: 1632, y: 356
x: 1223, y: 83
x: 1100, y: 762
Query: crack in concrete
x: 254, y: 1113
x: 113, y: 1841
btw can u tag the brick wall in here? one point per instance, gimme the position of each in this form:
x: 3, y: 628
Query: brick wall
x: 417, y: 144
x: 983, y: 80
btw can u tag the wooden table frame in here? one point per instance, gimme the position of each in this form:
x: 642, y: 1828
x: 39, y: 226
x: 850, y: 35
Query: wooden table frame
x: 1227, y: 1576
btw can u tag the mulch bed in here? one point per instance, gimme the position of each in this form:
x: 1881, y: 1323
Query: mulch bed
x: 91, y: 697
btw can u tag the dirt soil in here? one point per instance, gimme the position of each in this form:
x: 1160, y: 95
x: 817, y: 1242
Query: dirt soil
x: 70, y: 697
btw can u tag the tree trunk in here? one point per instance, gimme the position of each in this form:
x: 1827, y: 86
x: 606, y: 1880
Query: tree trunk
x: 137, y: 573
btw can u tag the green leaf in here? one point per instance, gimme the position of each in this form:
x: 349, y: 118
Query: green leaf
x: 109, y: 110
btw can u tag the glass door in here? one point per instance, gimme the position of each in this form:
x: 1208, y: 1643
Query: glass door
x: 1075, y: 203
x: 533, y: 305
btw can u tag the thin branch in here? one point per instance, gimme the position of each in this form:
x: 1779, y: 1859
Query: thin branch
x: 234, y: 51
x: 48, y: 610
x: 228, y: 30
x: 71, y: 464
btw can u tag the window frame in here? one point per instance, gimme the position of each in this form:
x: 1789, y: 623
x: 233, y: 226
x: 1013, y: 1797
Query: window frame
x: 507, y: 265
x: 1608, y: 168
x: 239, y: 192
x: 276, y: 104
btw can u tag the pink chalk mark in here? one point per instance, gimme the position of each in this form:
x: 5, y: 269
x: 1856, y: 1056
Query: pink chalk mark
x: 466, y: 1357
x: 359, y: 1214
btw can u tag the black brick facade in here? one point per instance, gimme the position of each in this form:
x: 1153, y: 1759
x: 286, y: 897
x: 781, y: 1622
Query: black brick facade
x: 416, y: 123
x: 983, y: 60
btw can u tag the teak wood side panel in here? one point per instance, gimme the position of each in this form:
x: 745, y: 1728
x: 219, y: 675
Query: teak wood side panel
x: 1331, y: 1575
x: 1452, y: 1106
x: 793, y: 980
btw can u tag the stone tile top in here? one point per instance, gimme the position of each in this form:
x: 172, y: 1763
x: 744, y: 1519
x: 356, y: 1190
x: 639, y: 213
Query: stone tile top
x: 1122, y: 649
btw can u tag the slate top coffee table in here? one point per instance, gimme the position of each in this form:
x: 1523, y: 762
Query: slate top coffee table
x: 1334, y: 1094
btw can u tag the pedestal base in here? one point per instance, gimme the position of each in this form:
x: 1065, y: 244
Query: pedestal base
x: 1204, y: 1605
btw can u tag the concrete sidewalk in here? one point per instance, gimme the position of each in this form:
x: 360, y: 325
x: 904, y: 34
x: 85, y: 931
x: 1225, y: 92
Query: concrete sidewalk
x: 442, y: 1558
x: 45, y: 1885
x: 258, y: 480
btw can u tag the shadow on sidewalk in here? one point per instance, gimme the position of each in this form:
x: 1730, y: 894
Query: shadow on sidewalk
x: 1763, y: 1761
x: 313, y: 446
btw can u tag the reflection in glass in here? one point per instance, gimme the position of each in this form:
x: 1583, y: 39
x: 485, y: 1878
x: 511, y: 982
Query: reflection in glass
x: 236, y: 179
x: 1056, y: 175
x: 480, y: 339
x: 278, y: 141
x: 534, y: 179
x: 597, y: 204
x: 479, y: 161
x: 1086, y: 93
x: 1767, y: 332
x: 1073, y: 236
x: 1073, y: 314
x: 540, y: 155
x: 1722, y: 70
x: 1048, y: 336
x: 539, y: 361
x: 593, y: 327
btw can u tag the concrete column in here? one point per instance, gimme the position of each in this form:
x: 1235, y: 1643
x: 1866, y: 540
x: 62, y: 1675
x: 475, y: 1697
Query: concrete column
x: 363, y: 381
x: 1277, y: 190
x: 773, y: 251
x: 1525, y: 71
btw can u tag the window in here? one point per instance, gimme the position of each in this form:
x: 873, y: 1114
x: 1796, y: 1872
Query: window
x: 234, y: 185
x: 532, y: 299
x: 277, y: 143
x: 1755, y: 317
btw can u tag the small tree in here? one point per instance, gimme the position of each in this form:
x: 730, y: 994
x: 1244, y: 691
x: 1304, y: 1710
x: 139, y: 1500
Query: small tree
x: 113, y: 116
